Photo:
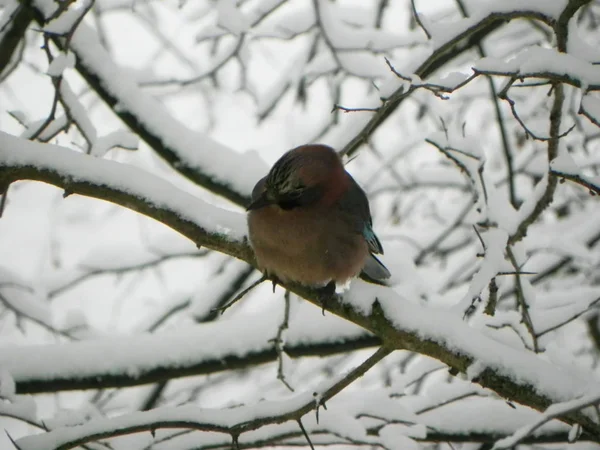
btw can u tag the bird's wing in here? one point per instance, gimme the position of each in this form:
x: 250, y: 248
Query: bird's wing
x: 356, y: 203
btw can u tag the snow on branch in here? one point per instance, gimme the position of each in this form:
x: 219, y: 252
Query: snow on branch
x: 544, y: 63
x: 193, y: 154
x: 397, y: 321
x: 233, y: 421
x: 452, y: 38
x: 135, y: 360
x: 555, y: 411
x: 128, y: 186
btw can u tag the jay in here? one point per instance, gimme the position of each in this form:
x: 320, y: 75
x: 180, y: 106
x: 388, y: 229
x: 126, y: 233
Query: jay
x: 309, y: 222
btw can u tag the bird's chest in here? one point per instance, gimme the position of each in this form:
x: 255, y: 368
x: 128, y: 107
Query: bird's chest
x: 311, y: 248
x: 291, y: 231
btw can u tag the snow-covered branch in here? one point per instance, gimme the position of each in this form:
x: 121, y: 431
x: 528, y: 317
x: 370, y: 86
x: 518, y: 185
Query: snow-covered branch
x: 225, y: 345
x: 204, y: 224
x: 230, y: 421
x: 193, y: 154
x: 398, y: 322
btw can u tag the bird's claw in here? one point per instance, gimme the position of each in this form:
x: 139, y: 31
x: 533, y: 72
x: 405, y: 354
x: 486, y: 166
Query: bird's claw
x: 326, y: 294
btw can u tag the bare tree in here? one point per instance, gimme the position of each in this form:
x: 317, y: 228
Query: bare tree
x: 472, y: 125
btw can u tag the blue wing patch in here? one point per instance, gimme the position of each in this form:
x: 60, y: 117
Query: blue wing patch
x: 372, y: 240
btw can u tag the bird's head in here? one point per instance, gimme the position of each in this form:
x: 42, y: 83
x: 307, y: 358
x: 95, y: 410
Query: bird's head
x: 304, y: 176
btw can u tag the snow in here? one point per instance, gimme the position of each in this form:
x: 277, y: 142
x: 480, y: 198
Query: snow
x: 444, y: 31
x: 474, y: 370
x: 70, y: 418
x: 231, y: 18
x: 427, y: 298
x: 449, y: 330
x: 64, y: 23
x: 493, y: 262
x: 540, y: 60
x: 553, y: 411
x: 7, y: 385
x: 246, y: 14
x: 194, y: 150
x: 18, y: 295
x: 122, y: 139
x: 137, y: 355
x: 61, y: 62
x: 591, y: 105
x: 22, y: 408
x: 564, y: 162
x: 77, y: 111
x: 499, y: 418
x: 288, y: 77
x: 394, y: 438
x: 129, y: 179
x: 574, y: 433
x: 344, y: 36
x: 342, y: 420
x: 297, y: 18
x: 560, y: 305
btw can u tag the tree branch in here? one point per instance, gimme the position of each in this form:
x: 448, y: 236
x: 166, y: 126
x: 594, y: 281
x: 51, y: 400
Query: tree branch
x: 375, y: 311
x: 246, y: 418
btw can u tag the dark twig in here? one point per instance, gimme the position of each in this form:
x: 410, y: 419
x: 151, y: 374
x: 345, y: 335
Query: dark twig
x: 94, y: 272
x: 490, y: 307
x: 454, y: 47
x: 347, y: 110
x: 552, y: 152
x: 569, y: 320
x: 418, y: 19
x: 579, y: 179
x: 238, y: 297
x: 305, y: 434
x: 459, y: 219
x: 3, y: 200
x: 110, y: 428
x: 278, y: 341
x: 528, y: 132
x: 522, y: 301
x: 499, y: 120
x: 436, y: 89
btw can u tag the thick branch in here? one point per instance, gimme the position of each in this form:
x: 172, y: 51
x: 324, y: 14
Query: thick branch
x: 194, y: 155
x: 14, y: 35
x: 126, y: 186
x: 397, y: 322
x: 118, y: 376
x: 234, y: 423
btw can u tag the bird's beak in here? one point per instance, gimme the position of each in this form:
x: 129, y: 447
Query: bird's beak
x: 260, y: 202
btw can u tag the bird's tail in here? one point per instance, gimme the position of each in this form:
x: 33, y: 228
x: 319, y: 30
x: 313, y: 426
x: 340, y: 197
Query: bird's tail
x: 374, y: 271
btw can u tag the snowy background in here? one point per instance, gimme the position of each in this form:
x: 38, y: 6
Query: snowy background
x: 131, y: 135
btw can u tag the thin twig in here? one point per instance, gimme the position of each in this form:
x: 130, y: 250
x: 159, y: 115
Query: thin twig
x: 552, y: 153
x: 522, y: 301
x: 499, y: 120
x: 305, y: 434
x: 3, y: 200
x: 347, y: 110
x: 238, y: 297
x: 570, y: 319
x: 593, y: 188
x: 418, y: 19
x: 459, y: 219
x: 278, y: 341
x: 109, y: 428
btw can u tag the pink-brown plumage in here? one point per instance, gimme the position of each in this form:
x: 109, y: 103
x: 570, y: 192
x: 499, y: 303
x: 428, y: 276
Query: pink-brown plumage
x: 309, y: 221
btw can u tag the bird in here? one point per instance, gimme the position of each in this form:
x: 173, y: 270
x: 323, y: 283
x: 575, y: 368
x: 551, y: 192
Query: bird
x: 309, y: 222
